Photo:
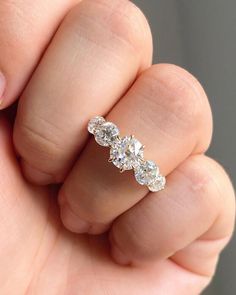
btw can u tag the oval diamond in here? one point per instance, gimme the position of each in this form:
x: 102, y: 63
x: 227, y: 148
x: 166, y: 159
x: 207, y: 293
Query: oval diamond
x: 94, y: 123
x: 158, y: 184
x: 106, y: 134
x: 146, y: 173
x: 126, y: 153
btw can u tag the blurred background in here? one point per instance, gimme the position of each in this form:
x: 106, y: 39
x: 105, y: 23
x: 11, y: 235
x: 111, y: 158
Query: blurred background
x: 201, y: 37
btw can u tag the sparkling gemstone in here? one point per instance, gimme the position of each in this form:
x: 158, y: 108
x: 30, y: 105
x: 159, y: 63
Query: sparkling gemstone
x: 158, y: 184
x: 94, y: 123
x: 106, y: 134
x: 126, y: 153
x: 146, y: 173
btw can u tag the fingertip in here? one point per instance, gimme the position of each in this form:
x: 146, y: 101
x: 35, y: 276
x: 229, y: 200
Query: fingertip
x: 2, y: 89
x: 35, y: 176
x: 74, y: 223
x: 117, y: 254
x: 71, y: 221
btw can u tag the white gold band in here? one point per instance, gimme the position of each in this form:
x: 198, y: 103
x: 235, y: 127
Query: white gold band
x: 127, y: 153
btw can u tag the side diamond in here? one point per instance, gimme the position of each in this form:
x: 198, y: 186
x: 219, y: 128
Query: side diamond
x: 94, y: 123
x: 158, y: 184
x: 126, y: 153
x: 146, y: 173
x: 106, y: 134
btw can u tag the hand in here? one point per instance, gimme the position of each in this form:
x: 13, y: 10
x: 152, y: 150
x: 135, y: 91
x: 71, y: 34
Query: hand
x: 99, y: 63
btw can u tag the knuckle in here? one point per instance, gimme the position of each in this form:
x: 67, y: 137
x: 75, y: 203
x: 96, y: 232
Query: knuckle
x: 200, y: 180
x: 208, y: 178
x: 118, y: 21
x: 34, y: 146
x: 178, y: 92
x: 213, y: 188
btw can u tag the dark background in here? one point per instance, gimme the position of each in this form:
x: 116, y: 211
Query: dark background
x: 200, y: 35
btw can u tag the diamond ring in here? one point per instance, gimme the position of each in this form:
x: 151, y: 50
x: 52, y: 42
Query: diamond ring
x: 127, y: 153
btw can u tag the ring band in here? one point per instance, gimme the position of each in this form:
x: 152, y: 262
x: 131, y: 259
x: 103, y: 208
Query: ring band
x: 127, y: 153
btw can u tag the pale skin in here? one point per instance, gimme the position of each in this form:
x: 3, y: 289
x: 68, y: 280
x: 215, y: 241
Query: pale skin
x: 70, y: 222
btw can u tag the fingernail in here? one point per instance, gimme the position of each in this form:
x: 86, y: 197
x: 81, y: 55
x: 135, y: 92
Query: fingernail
x: 35, y: 176
x: 2, y: 87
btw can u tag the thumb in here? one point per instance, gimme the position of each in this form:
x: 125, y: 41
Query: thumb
x: 23, y: 212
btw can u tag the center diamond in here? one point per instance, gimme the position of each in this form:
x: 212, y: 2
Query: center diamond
x: 126, y: 153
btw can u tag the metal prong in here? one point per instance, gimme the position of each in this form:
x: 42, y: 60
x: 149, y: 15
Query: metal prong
x: 132, y: 136
x: 143, y: 147
x: 110, y: 160
x: 122, y: 170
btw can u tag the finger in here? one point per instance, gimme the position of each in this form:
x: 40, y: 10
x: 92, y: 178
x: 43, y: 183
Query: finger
x: 169, y: 113
x: 190, y: 221
x: 93, y: 59
x: 26, y: 28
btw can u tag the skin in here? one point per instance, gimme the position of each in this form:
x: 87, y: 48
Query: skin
x: 70, y: 222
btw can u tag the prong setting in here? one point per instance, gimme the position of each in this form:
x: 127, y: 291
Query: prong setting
x: 127, y: 153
